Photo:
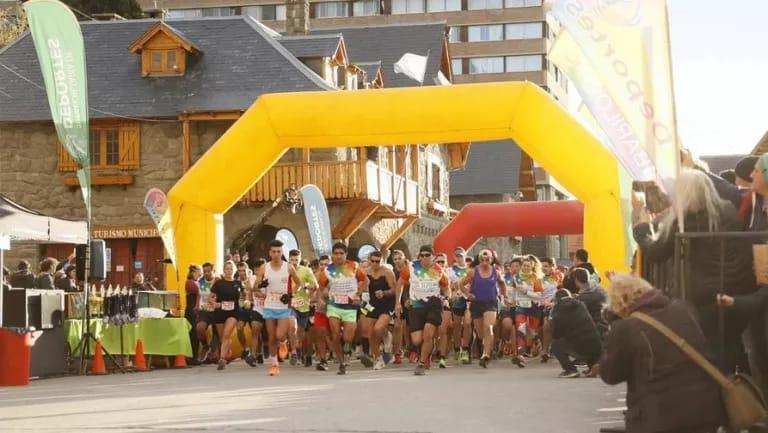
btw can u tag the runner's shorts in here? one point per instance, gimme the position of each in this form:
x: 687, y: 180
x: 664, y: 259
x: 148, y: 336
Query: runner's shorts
x: 205, y: 316
x: 221, y: 316
x: 321, y: 320
x: 302, y: 319
x: 418, y: 317
x: 478, y: 308
x: 334, y: 312
x: 380, y: 311
x: 257, y: 317
x: 507, y: 313
x: 277, y: 313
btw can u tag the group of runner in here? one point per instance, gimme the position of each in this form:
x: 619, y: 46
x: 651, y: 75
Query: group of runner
x: 478, y: 308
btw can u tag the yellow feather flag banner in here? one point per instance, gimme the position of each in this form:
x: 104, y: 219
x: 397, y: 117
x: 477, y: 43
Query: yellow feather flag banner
x: 617, y: 54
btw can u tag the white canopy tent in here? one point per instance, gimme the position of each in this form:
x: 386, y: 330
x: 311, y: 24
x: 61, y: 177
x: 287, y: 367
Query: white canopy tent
x: 20, y: 223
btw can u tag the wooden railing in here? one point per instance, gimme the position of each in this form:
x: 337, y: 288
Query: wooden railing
x: 339, y: 180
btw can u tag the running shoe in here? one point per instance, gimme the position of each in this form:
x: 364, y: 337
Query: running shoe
x: 568, y: 374
x: 322, y: 365
x: 274, y: 370
x: 593, y: 372
x: 386, y: 357
x: 260, y: 358
x: 366, y: 360
x: 441, y: 363
x: 294, y: 359
x: 342, y: 369
x: 465, y: 357
x: 245, y: 354
x: 456, y: 356
x: 250, y: 360
x: 544, y: 358
x: 412, y: 357
x: 484, y: 361
x: 204, y: 356
x: 420, y: 371
x: 518, y: 361
x: 222, y: 364
x: 380, y: 364
x: 308, y: 361
x: 428, y: 364
x: 282, y: 352
x: 398, y: 359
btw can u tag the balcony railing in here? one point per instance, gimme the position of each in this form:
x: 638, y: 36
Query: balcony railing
x: 340, y: 181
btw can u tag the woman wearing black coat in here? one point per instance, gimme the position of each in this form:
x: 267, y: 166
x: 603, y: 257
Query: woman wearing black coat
x: 666, y: 391
x: 698, y: 208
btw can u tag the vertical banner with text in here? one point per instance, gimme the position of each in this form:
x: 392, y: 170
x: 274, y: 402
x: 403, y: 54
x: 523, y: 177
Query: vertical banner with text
x: 156, y: 203
x: 318, y: 222
x: 61, y: 53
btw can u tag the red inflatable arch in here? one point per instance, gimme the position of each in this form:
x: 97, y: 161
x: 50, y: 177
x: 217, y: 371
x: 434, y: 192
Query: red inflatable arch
x: 535, y: 218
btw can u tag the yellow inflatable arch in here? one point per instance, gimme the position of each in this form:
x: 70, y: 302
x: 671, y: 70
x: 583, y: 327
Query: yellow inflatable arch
x: 438, y: 114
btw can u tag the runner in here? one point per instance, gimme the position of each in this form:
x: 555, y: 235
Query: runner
x: 205, y: 317
x: 507, y: 313
x: 462, y: 322
x: 443, y: 333
x: 224, y: 300
x: 256, y: 298
x: 528, y: 290
x: 378, y: 313
x: 550, y: 283
x: 246, y: 278
x: 343, y: 283
x: 484, y: 285
x: 320, y: 325
x: 399, y: 262
x: 277, y: 279
x: 301, y: 307
x: 192, y: 290
x: 426, y: 280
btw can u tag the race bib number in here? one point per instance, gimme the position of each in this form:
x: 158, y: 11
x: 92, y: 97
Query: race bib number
x: 341, y: 299
x: 299, y: 303
x: 524, y: 303
x: 258, y: 302
x: 273, y: 301
x: 424, y: 289
x: 227, y: 305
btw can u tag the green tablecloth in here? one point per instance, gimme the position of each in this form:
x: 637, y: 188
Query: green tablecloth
x: 169, y: 336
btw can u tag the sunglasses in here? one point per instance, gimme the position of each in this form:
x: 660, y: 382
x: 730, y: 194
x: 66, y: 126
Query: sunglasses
x: 424, y: 255
x: 441, y: 262
x: 375, y: 261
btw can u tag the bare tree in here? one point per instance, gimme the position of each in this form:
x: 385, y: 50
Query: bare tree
x: 13, y: 23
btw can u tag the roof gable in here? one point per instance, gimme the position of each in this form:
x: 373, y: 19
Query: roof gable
x: 163, y: 34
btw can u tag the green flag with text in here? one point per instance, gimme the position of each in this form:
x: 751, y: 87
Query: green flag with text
x: 61, y: 53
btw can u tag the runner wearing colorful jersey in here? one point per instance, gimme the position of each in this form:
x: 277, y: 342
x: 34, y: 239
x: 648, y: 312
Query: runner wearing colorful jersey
x: 398, y: 263
x: 528, y: 290
x: 247, y: 279
x: 443, y: 332
x: 320, y: 326
x: 205, y: 315
x: 277, y: 279
x: 507, y: 313
x: 483, y: 285
x: 462, y: 320
x: 301, y: 306
x: 427, y: 282
x: 550, y: 283
x: 343, y: 283
x: 378, y: 313
x: 224, y: 302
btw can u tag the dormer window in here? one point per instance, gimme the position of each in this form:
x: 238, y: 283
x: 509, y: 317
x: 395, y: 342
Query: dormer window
x: 163, y: 51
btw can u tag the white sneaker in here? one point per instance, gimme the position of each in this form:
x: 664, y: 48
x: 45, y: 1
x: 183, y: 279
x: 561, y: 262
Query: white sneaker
x: 379, y: 364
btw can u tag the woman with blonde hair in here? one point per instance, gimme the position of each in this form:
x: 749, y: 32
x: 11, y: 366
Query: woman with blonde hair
x: 658, y: 374
x: 698, y: 208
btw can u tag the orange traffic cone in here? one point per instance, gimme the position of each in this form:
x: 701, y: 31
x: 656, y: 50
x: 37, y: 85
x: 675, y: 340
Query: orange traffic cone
x: 139, y: 362
x: 181, y: 362
x: 97, y: 367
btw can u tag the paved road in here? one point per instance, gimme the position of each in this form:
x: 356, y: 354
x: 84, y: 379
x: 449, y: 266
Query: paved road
x: 458, y: 399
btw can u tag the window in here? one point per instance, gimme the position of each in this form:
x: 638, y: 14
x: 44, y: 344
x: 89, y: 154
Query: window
x: 266, y: 12
x: 221, y: 12
x: 437, y: 184
x: 485, y: 4
x: 486, y: 33
x: 524, y: 31
x: 407, y: 7
x: 443, y: 5
x: 164, y: 62
x: 486, y: 65
x: 521, y: 3
x: 185, y: 13
x: 454, y: 34
x: 365, y: 8
x: 113, y: 145
x: 524, y: 63
x: 331, y: 9
x: 457, y: 66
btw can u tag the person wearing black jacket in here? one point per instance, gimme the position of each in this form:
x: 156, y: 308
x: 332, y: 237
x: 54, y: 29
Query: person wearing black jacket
x: 698, y: 208
x: 23, y: 278
x: 574, y: 334
x: 594, y: 298
x: 666, y: 391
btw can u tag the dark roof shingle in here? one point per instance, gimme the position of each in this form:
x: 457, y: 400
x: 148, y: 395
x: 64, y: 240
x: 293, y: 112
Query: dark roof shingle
x: 492, y: 168
x: 312, y: 46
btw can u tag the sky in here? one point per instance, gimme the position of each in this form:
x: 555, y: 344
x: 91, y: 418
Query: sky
x: 720, y: 65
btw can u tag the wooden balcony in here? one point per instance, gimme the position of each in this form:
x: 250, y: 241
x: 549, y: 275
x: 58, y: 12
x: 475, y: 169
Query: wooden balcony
x: 342, y: 181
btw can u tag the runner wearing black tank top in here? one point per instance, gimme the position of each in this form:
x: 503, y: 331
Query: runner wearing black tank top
x: 378, y: 313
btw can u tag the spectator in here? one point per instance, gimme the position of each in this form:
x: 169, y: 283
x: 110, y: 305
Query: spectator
x: 581, y: 260
x: 139, y: 284
x: 574, y: 333
x: 698, y: 208
x: 23, y: 278
x: 666, y: 391
x: 67, y: 281
x: 44, y: 280
x: 6, y: 276
x: 729, y: 176
x: 594, y: 298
